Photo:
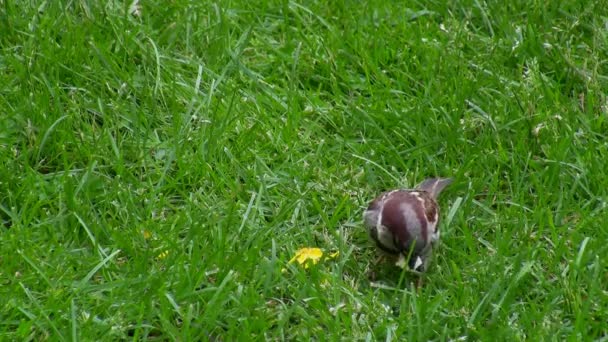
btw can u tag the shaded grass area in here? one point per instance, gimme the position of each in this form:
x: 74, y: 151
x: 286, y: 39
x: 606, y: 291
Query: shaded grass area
x: 160, y: 169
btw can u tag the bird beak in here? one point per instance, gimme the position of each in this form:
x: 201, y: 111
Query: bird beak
x: 435, y: 186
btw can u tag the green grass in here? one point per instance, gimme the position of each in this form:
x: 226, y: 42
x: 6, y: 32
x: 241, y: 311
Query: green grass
x: 158, y: 171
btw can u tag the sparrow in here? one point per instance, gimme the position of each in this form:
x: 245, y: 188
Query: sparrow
x: 404, y: 223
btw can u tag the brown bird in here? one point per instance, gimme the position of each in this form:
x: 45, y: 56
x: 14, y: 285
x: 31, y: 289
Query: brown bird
x: 404, y: 223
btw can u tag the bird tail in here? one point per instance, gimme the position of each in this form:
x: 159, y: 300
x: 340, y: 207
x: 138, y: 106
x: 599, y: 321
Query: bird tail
x: 435, y: 185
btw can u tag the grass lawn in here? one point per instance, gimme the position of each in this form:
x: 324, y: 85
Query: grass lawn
x: 160, y: 164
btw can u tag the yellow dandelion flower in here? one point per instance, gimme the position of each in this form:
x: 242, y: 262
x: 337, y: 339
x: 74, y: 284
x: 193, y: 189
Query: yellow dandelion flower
x: 309, y: 256
x: 304, y: 255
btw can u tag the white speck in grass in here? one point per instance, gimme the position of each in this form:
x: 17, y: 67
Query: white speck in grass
x: 518, y: 38
x: 442, y: 28
x: 461, y: 338
x: 212, y: 271
x: 123, y: 89
x: 536, y: 130
x: 334, y: 309
x: 547, y: 46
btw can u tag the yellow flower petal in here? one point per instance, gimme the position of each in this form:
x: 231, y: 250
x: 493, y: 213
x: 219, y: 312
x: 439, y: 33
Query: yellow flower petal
x: 305, y: 254
x: 163, y: 255
x: 334, y: 254
x: 147, y: 234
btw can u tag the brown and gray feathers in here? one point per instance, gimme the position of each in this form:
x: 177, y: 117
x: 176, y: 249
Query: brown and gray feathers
x: 406, y: 221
